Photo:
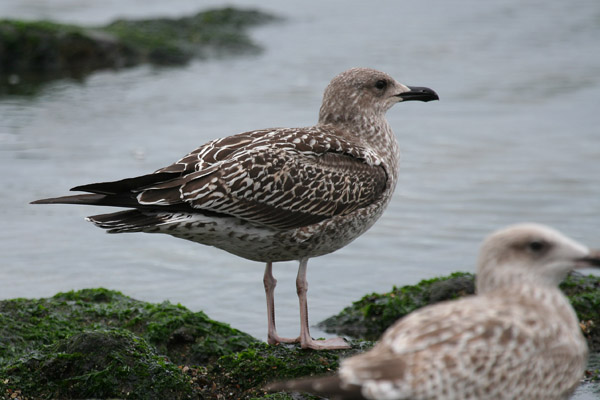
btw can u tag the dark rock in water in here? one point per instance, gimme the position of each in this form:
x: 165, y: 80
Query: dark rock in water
x: 47, y: 48
x: 34, y: 52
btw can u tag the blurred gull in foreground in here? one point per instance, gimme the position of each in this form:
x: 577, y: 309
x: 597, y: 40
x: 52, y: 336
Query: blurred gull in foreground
x: 518, y: 338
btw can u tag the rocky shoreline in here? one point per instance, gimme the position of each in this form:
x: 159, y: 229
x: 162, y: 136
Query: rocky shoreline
x: 35, y: 52
x: 98, y: 343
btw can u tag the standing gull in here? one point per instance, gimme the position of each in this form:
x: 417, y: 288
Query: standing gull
x: 518, y: 338
x: 275, y: 194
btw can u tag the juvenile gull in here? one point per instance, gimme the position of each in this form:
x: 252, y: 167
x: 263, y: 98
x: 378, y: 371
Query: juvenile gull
x: 518, y: 338
x: 275, y: 194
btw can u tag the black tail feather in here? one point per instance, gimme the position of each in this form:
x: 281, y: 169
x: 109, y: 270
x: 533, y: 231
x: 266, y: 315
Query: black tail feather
x: 126, y: 185
x: 123, y: 200
x: 92, y: 199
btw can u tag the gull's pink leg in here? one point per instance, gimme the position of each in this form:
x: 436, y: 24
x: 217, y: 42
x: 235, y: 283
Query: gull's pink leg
x: 306, y: 341
x: 270, y: 283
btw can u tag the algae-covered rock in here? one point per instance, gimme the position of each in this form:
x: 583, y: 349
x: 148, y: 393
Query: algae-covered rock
x: 242, y: 375
x: 175, y: 41
x: 368, y: 317
x: 96, y: 364
x: 98, y: 343
x: 185, y: 337
x: 47, y: 47
x: 32, y: 52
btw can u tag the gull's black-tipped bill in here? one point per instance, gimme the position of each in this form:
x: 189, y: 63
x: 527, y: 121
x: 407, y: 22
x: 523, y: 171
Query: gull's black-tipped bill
x: 419, y: 93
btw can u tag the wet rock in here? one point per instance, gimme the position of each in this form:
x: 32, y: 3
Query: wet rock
x: 29, y: 324
x: 98, y: 343
x: 35, y: 52
x: 242, y: 375
x: 98, y: 364
x: 370, y: 316
x: 117, y: 345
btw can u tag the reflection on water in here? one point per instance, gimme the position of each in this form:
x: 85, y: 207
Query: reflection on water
x: 514, y: 138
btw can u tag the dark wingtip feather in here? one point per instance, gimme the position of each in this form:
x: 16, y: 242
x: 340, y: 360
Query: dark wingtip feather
x: 89, y: 199
x: 125, y: 185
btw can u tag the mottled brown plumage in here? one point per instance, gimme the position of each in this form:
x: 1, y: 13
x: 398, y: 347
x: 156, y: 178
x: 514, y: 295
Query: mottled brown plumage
x: 518, y: 338
x: 275, y: 194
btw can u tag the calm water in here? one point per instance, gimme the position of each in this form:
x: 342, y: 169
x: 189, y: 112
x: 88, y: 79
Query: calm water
x: 515, y: 137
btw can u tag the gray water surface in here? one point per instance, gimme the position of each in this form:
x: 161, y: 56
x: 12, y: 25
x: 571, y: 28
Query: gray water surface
x: 515, y: 137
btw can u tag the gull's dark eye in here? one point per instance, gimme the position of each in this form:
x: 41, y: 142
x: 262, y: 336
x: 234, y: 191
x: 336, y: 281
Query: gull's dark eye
x: 537, y: 246
x: 381, y: 84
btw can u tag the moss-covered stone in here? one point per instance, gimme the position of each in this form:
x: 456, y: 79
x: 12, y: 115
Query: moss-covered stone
x: 242, y: 375
x: 174, y: 41
x: 370, y: 316
x: 184, y: 336
x: 100, y: 343
x: 96, y: 364
x: 32, y: 52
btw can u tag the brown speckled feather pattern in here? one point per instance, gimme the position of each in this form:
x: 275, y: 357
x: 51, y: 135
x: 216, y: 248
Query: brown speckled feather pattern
x: 267, y: 195
x: 280, y: 179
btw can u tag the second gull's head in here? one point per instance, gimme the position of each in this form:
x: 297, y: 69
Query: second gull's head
x: 530, y: 252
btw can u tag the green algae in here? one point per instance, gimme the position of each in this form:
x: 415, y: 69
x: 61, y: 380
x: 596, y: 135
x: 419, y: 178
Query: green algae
x: 583, y: 292
x: 96, y: 364
x: 243, y: 374
x: 101, y: 343
x: 185, y: 337
x: 370, y: 316
x: 175, y: 41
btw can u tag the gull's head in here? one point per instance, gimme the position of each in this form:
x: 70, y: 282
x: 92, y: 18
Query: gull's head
x: 530, y: 252
x: 364, y: 91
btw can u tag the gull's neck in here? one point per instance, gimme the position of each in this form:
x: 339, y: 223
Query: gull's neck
x: 508, y: 276
x: 370, y: 129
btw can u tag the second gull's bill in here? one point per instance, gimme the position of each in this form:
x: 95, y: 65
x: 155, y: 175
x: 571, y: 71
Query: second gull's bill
x: 518, y: 338
x: 276, y: 194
